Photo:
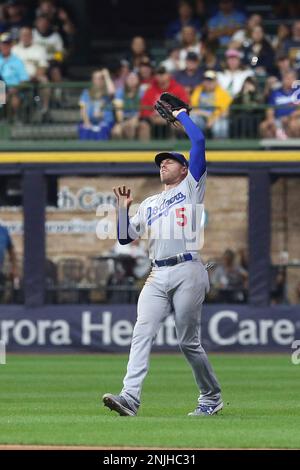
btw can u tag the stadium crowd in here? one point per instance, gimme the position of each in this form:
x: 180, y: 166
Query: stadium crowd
x: 34, y: 45
x: 239, y: 79
x: 219, y: 64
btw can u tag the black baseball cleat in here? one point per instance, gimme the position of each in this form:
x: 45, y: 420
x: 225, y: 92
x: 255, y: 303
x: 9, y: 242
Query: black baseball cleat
x: 118, y: 404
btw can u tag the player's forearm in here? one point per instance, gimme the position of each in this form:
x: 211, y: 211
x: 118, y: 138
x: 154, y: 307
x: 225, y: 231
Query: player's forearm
x: 194, y: 133
x: 197, y: 164
x: 123, y: 226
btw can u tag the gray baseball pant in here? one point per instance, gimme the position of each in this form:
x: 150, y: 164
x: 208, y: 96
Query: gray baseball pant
x: 180, y: 288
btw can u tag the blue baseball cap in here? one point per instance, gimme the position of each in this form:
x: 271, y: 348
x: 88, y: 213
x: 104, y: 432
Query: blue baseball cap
x: 174, y: 155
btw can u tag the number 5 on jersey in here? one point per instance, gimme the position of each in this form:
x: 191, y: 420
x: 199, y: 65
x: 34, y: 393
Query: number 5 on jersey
x: 181, y: 217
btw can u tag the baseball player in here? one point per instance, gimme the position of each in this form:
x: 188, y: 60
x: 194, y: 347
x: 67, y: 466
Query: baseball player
x: 178, y: 280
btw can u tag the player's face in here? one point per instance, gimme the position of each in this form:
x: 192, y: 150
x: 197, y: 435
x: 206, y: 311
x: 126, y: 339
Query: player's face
x: 172, y: 171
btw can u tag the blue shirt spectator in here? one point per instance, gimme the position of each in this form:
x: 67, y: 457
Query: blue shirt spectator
x: 185, y: 18
x: 192, y: 75
x: 12, y: 69
x: 174, y: 28
x: 286, y: 99
x: 98, y: 109
x: 97, y: 117
x: 226, y: 22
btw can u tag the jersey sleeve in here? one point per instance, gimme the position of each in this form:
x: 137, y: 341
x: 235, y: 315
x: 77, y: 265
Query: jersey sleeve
x: 196, y: 186
x: 197, y: 163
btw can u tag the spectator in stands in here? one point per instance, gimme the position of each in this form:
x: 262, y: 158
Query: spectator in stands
x: 189, y: 43
x: 59, y: 19
x: 283, y: 65
x: 292, y: 46
x: 226, y: 22
x: 6, y: 245
x: 210, y: 106
x: 210, y: 60
x: 97, y: 117
x: 192, y: 75
x: 44, y: 35
x: 283, y: 34
x: 285, y: 10
x: 138, y: 52
x: 33, y: 55
x: 230, y: 279
x: 145, y: 72
x: 185, y: 18
x: 172, y: 62
x: 121, y: 73
x: 35, y: 60
x: 15, y: 18
x: 150, y: 120
x: 259, y: 54
x: 283, y: 120
x: 127, y: 104
x: 244, y: 122
x: 201, y: 14
x: 12, y: 72
x: 242, y: 37
x: 234, y: 75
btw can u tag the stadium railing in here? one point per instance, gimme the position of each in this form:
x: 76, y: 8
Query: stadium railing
x: 60, y: 122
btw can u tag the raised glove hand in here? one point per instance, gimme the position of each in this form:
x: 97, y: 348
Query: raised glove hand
x: 167, y: 104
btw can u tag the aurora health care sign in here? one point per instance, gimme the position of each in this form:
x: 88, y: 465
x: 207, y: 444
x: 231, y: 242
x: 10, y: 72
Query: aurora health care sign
x: 108, y: 328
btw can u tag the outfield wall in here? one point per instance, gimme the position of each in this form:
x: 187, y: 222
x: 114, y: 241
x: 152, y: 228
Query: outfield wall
x: 108, y: 328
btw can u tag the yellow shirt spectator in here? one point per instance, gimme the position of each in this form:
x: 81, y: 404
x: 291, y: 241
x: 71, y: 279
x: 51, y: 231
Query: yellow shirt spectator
x: 211, y: 97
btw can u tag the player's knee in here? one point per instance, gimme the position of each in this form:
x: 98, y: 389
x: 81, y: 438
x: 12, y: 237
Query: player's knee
x: 143, y: 330
x: 190, y: 347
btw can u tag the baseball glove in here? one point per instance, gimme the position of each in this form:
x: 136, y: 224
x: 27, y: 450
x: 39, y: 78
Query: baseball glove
x: 168, y: 103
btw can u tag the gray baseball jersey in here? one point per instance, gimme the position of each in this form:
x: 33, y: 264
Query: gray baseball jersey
x: 170, y: 220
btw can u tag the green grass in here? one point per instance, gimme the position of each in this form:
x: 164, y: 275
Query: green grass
x: 56, y: 400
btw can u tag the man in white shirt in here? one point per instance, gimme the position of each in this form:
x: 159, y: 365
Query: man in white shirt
x: 34, y: 57
x: 44, y: 35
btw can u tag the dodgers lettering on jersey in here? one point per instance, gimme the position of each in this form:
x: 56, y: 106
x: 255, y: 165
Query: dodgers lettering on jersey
x: 153, y: 213
x: 172, y: 221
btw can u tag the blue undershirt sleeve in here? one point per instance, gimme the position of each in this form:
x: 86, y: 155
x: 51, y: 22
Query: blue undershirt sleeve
x: 197, y: 163
x: 123, y: 227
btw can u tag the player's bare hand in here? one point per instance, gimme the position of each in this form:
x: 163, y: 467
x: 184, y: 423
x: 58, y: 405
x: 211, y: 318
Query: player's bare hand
x: 123, y: 195
x: 176, y: 112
